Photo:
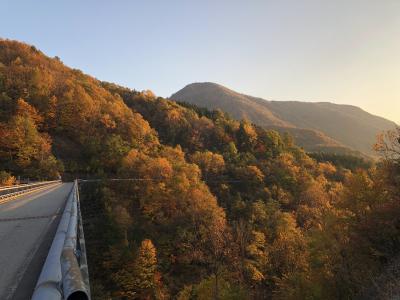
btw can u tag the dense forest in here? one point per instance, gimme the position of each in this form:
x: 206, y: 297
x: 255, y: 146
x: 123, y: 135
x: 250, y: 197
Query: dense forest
x: 315, y: 126
x: 211, y: 208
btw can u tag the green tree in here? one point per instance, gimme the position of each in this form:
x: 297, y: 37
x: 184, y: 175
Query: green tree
x: 246, y: 136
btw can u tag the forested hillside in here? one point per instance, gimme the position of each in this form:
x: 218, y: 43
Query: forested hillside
x: 214, y: 208
x: 320, y: 126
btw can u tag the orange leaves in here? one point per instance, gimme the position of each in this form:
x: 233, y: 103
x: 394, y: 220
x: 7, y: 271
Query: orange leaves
x: 160, y: 167
x: 210, y: 163
x: 145, y: 166
x: 173, y: 116
x: 171, y: 192
x: 26, y: 150
x: 148, y: 94
x: 313, y: 205
x: 155, y: 168
x: 108, y: 122
x: 327, y: 168
x: 287, y: 162
x: 75, y: 106
x: 6, y: 179
x: 27, y: 111
x: 246, y: 136
x: 130, y: 160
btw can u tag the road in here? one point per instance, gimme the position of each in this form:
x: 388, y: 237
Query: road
x: 27, y: 228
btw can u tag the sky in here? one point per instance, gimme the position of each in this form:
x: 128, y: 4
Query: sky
x: 342, y: 51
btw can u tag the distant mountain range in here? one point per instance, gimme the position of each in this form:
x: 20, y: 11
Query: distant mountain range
x: 316, y: 126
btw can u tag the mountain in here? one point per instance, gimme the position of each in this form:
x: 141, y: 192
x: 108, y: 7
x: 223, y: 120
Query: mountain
x: 319, y: 126
x: 207, y: 205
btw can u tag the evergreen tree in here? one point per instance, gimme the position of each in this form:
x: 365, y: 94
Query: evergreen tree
x: 145, y: 268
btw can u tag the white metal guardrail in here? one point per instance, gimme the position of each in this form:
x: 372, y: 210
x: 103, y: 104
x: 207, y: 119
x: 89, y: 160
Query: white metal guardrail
x: 65, y: 273
x: 6, y: 192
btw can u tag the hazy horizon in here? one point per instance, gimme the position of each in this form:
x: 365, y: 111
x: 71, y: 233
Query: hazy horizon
x: 283, y: 100
x: 344, y: 52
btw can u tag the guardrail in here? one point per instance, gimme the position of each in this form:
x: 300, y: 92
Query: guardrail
x: 6, y: 192
x: 65, y: 273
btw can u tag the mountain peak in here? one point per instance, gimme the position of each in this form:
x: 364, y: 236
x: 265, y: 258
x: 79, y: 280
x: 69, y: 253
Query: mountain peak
x: 333, y: 124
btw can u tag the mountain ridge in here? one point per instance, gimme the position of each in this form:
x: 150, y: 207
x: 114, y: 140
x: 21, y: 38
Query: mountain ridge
x: 336, y: 127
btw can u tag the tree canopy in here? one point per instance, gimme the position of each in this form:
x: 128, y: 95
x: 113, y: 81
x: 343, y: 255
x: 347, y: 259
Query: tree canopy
x: 209, y: 207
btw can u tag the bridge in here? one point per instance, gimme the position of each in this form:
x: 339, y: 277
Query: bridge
x: 42, y: 251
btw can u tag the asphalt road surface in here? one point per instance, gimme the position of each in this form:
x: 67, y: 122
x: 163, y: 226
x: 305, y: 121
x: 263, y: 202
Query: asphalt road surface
x: 27, y: 227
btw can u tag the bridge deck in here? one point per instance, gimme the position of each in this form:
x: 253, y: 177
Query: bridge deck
x: 27, y: 227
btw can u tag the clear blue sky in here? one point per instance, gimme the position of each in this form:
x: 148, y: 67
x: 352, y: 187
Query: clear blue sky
x: 343, y: 51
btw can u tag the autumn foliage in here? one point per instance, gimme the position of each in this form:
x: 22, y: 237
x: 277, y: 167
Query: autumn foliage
x: 209, y: 207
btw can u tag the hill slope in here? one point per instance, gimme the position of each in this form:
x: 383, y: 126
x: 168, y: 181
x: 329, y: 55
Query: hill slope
x: 216, y: 206
x: 315, y: 126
